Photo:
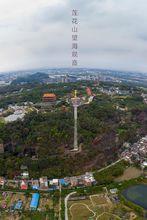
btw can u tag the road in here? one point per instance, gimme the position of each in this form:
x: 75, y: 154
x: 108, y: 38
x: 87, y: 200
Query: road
x: 65, y: 202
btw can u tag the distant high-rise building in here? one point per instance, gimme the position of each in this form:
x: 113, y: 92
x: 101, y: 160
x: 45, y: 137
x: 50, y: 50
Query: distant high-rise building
x: 65, y: 79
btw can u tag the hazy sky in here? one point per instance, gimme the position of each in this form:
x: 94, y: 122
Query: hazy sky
x: 37, y: 33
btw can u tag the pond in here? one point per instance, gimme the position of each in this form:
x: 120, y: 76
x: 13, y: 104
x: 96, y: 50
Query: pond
x: 137, y: 194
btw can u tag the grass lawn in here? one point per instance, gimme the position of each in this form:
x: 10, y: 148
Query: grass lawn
x: 106, y: 216
x: 80, y: 212
x: 98, y: 200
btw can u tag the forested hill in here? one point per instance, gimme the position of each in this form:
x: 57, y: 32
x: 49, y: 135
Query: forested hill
x: 102, y: 130
x: 38, y: 77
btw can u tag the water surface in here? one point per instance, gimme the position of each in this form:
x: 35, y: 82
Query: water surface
x: 137, y: 194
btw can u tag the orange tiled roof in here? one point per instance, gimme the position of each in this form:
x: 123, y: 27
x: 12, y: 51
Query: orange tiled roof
x: 49, y: 95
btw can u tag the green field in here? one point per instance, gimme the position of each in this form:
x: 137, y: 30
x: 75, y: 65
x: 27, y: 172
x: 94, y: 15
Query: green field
x: 97, y: 207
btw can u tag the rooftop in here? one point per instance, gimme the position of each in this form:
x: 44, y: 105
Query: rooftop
x: 49, y: 95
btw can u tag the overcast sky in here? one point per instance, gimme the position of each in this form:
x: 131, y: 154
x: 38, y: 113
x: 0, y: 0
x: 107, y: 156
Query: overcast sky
x: 37, y: 33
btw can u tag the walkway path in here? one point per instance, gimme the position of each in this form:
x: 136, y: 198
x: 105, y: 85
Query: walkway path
x: 60, y: 202
x: 109, y: 166
x: 94, y: 214
x: 65, y: 202
x: 116, y: 216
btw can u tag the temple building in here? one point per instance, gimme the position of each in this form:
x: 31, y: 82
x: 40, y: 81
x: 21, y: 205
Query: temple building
x: 49, y: 97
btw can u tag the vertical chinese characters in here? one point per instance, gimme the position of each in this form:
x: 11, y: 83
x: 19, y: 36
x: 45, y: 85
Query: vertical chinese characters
x: 75, y: 23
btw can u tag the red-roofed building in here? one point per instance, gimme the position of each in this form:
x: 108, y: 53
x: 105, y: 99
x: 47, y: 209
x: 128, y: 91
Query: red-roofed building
x: 49, y: 97
x: 24, y: 185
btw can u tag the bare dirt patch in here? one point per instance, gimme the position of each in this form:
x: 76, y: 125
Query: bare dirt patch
x: 129, y: 173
